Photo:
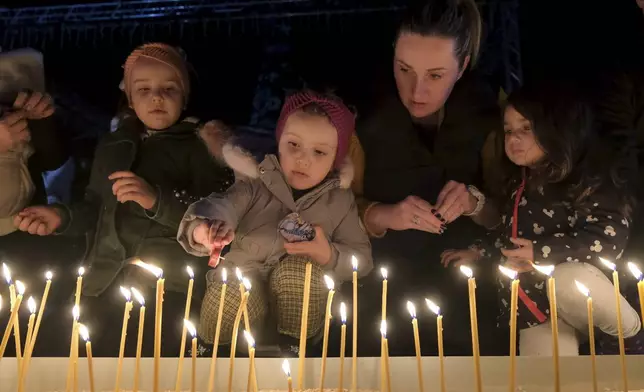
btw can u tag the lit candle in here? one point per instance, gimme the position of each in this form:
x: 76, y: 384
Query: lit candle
x: 439, y: 330
x: 88, y: 349
x: 419, y: 362
x: 233, y: 343
x: 287, y: 371
x: 30, y: 349
x: 251, y: 367
x: 620, y: 327
x: 193, y: 375
x: 16, y: 322
x: 514, y: 303
x: 242, y: 290
x: 72, y: 352
x: 304, y: 323
x: 139, y: 341
x: 383, y: 313
x: 343, y: 344
x: 474, y: 324
x: 354, y: 358
x: 215, y: 346
x: 158, y: 316
x: 14, y: 314
x: 327, y: 323
x: 126, y: 317
x: 383, y: 332
x: 591, y: 331
x: 554, y: 322
x: 186, y: 315
x: 637, y: 273
x: 31, y: 305
x: 79, y: 286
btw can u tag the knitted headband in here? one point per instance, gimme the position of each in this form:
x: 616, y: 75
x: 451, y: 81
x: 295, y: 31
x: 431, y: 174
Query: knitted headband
x: 162, y: 53
x: 341, y: 117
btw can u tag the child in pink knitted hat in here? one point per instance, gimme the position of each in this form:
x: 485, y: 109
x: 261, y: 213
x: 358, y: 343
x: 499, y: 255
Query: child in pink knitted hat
x: 290, y: 209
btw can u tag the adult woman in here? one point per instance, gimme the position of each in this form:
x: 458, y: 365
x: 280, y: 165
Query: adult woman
x: 431, y: 132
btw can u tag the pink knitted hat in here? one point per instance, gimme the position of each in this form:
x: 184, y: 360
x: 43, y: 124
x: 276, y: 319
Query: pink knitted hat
x: 341, y: 117
x: 163, y: 53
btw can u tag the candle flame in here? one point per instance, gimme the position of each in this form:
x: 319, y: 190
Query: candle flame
x: 383, y: 328
x: 191, y: 273
x: 329, y: 282
x: 249, y: 338
x: 190, y: 327
x: 154, y: 270
x: 81, y: 271
x: 582, y: 289
x: 49, y: 275
x: 510, y: 273
x: 224, y: 275
x: 637, y: 273
x: 544, y: 269
x: 412, y: 309
x: 238, y: 272
x: 20, y: 287
x: 75, y: 313
x: 343, y: 313
x: 354, y: 263
x: 84, y: 332
x: 383, y: 272
x: 6, y: 272
x: 467, y: 271
x: 139, y: 297
x: 433, y: 307
x: 31, y: 305
x: 247, y: 284
x: 608, y: 263
x: 286, y: 368
x: 126, y: 293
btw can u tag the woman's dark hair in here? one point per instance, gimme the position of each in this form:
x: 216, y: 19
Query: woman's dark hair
x: 576, y: 161
x: 456, y: 19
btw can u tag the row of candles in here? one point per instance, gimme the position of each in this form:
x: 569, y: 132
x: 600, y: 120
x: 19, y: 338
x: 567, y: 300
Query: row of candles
x: 17, y: 291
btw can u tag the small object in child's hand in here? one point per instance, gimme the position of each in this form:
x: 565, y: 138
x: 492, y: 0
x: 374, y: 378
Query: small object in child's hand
x: 295, y: 229
x: 215, y: 257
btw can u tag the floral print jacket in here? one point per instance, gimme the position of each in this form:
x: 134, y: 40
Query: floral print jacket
x: 559, y: 233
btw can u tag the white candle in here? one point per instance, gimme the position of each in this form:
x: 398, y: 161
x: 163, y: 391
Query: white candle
x: 439, y: 331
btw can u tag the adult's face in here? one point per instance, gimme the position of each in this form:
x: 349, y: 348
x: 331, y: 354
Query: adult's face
x: 426, y: 70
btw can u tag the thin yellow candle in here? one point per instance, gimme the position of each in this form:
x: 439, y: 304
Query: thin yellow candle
x: 327, y: 323
x: 186, y: 315
x: 84, y: 333
x: 72, y: 352
x: 591, y: 331
x: 139, y: 341
x: 383, y: 332
x: 32, y: 344
x: 79, y: 286
x: 439, y: 331
x: 343, y: 344
x: 554, y: 322
x: 419, y: 362
x: 620, y: 327
x: 14, y: 314
x: 16, y: 323
x: 304, y: 323
x: 637, y: 273
x: 474, y: 325
x: 31, y: 305
x: 158, y: 317
x: 126, y: 317
x: 383, y: 312
x: 354, y: 358
x: 193, y: 370
x: 215, y: 346
x: 242, y: 291
x: 77, y: 297
x: 251, y: 366
x: 287, y: 370
x: 233, y: 343
x: 514, y: 303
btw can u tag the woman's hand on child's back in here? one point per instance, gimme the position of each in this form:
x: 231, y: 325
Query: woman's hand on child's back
x: 39, y: 220
x: 318, y: 249
x: 130, y: 187
x: 459, y: 257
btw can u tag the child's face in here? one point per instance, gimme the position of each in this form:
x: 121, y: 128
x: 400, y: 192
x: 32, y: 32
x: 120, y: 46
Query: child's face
x: 307, y: 149
x: 156, y: 95
x: 521, y: 145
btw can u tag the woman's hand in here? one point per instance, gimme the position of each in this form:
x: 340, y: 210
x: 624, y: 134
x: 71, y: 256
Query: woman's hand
x: 459, y: 257
x: 38, y: 220
x: 35, y: 105
x: 519, y: 259
x: 318, y: 249
x: 411, y: 213
x: 455, y: 200
x: 13, y: 130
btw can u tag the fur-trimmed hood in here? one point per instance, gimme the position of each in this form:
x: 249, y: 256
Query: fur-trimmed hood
x: 244, y: 164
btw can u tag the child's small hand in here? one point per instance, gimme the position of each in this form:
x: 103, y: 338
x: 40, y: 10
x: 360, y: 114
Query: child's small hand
x: 214, y: 235
x: 318, y: 249
x: 459, y: 257
x: 130, y: 187
x: 520, y: 259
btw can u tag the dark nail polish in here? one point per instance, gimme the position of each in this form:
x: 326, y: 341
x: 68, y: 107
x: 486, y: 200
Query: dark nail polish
x: 439, y: 216
x: 443, y: 227
x: 443, y: 220
x: 433, y: 211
